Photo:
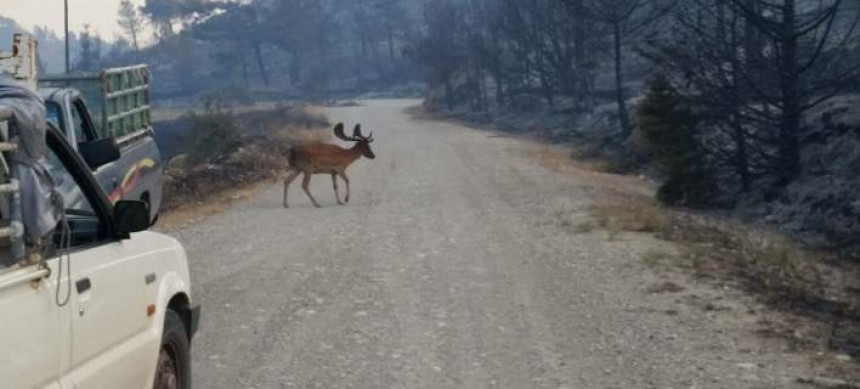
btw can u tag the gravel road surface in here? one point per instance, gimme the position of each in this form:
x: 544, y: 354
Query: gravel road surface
x: 450, y: 269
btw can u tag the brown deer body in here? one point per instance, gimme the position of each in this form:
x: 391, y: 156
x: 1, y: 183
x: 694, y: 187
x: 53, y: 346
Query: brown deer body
x: 322, y: 158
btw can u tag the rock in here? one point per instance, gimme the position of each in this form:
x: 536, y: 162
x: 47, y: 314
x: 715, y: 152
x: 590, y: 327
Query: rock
x: 747, y: 365
x: 665, y: 287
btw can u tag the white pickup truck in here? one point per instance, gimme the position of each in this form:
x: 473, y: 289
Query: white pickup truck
x: 95, y: 301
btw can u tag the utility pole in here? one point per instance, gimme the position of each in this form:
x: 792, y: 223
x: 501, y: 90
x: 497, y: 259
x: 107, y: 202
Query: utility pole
x: 66, y: 13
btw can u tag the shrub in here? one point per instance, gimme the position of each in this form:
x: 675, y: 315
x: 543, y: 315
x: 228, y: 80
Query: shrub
x: 214, y: 133
x: 668, y: 128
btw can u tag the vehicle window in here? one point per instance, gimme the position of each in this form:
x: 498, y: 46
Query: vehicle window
x: 78, y: 112
x: 54, y: 114
x: 84, y: 223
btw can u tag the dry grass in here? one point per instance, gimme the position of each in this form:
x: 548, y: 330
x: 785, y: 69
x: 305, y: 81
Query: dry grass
x: 780, y: 271
x: 214, y: 203
x: 709, y: 246
x: 591, y: 173
x: 656, y: 257
x: 631, y: 214
x: 770, y: 265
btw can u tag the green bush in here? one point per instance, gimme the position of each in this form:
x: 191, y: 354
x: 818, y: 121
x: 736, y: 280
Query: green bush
x: 668, y: 128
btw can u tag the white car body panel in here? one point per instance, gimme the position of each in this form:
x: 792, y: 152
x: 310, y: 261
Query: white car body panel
x: 115, y: 343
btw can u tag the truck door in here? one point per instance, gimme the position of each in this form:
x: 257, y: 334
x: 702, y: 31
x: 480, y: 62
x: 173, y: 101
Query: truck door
x: 34, y: 329
x: 110, y: 344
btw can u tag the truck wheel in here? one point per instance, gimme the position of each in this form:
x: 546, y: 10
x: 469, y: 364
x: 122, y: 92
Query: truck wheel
x: 173, y: 370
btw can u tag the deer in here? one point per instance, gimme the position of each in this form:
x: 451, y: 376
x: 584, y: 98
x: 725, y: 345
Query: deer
x: 322, y: 158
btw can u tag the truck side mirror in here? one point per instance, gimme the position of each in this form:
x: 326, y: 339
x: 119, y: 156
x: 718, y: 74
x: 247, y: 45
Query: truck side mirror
x: 130, y: 216
x: 99, y: 152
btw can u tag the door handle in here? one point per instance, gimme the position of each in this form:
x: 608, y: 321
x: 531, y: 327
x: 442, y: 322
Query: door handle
x: 83, y: 285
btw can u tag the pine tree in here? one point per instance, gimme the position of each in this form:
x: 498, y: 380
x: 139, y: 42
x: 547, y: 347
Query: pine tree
x: 669, y: 129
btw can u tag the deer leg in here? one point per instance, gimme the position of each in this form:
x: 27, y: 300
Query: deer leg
x: 287, y: 181
x: 305, y: 185
x: 346, y: 180
x: 334, y: 183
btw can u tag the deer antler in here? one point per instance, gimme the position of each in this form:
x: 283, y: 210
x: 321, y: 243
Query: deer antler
x: 338, y: 131
x: 356, y: 133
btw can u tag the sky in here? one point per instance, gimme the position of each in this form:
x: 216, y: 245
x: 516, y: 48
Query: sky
x: 100, y: 14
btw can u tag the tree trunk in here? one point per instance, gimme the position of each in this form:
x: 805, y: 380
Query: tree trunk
x: 623, y: 119
x: 245, y: 79
x: 500, y: 90
x: 134, y: 40
x: 264, y: 74
x: 579, y: 38
x: 548, y: 93
x: 789, y: 145
x: 741, y: 159
x: 391, y: 43
x: 377, y: 62
x: 296, y: 68
x: 449, y: 98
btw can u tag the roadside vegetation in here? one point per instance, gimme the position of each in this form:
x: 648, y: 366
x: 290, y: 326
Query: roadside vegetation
x: 785, y: 274
x: 812, y: 293
x: 743, y: 112
x: 226, y: 150
x: 745, y: 108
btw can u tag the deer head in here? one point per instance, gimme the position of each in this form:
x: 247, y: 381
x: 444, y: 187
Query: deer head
x: 362, y: 142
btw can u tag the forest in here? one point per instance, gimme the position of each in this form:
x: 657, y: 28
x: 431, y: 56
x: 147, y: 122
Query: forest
x: 740, y: 105
x: 274, y: 49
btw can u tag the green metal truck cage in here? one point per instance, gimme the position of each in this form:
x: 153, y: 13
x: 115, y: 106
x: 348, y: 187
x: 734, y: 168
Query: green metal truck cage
x: 118, y: 97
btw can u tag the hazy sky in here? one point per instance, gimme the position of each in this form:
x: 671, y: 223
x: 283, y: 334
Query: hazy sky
x: 100, y: 14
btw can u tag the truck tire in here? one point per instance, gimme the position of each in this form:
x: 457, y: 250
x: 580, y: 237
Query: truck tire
x: 173, y: 370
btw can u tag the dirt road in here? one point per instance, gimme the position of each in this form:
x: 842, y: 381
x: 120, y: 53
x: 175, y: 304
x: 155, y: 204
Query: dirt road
x: 450, y: 268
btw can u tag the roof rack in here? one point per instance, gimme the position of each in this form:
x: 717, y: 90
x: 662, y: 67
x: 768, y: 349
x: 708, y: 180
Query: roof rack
x: 20, y: 64
x: 11, y: 221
